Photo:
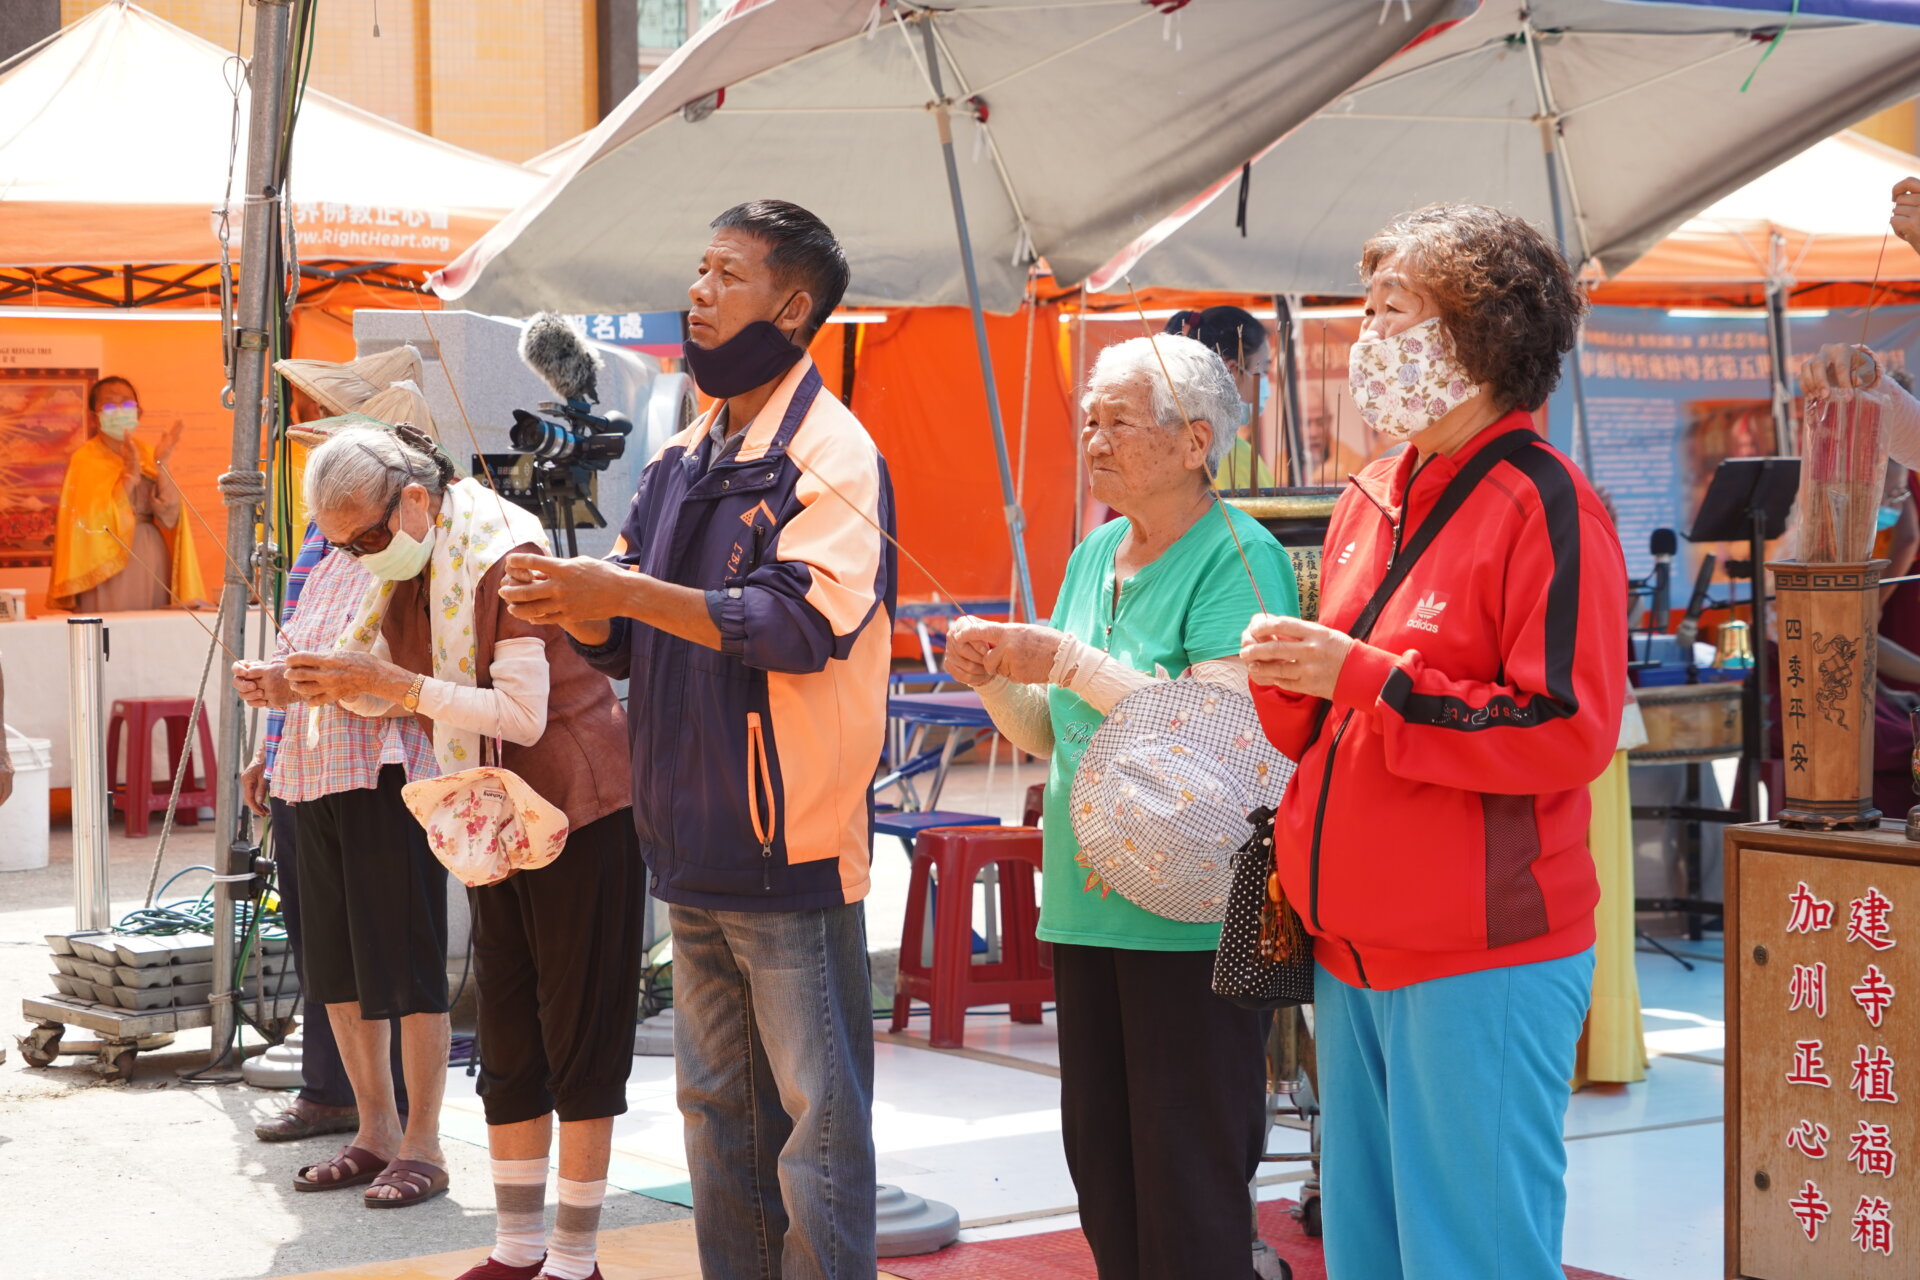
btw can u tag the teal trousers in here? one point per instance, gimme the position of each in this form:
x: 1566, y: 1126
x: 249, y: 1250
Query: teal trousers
x: 1442, y: 1154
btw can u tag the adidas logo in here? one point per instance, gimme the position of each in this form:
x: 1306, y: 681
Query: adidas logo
x: 1426, y: 614
x: 1345, y: 553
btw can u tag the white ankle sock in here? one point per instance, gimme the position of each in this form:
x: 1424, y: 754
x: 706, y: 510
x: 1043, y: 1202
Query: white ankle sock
x: 576, y: 1230
x: 519, y: 1197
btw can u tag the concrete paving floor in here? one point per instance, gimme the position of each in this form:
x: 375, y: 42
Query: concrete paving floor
x: 155, y: 1179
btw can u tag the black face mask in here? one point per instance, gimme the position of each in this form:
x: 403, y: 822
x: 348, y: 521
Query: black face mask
x: 751, y: 358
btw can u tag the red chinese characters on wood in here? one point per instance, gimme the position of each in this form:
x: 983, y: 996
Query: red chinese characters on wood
x: 1873, y: 1074
x: 1872, y: 1150
x: 1807, y: 989
x: 1811, y: 1209
x: 1871, y: 1228
x: 1809, y: 1139
x: 1867, y: 920
x: 1808, y: 1068
x: 1809, y: 914
x: 1873, y: 993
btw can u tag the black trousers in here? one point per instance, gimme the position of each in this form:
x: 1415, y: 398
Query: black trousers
x: 323, y: 1076
x: 556, y: 960
x: 373, y: 903
x: 1163, y: 1111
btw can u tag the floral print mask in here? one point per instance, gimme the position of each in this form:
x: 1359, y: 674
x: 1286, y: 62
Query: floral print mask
x: 1406, y: 383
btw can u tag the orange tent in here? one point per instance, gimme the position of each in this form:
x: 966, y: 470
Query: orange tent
x: 1818, y: 221
x: 914, y: 377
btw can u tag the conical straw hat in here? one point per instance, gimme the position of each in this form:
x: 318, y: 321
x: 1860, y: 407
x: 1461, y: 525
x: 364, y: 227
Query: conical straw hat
x: 343, y: 388
x: 317, y: 431
x: 401, y: 403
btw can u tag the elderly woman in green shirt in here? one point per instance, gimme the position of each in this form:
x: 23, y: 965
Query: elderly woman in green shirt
x: 1162, y: 1083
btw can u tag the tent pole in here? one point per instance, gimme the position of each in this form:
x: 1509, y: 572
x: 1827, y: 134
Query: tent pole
x: 1576, y: 255
x: 260, y: 233
x: 1292, y: 433
x: 1780, y: 346
x: 1016, y: 519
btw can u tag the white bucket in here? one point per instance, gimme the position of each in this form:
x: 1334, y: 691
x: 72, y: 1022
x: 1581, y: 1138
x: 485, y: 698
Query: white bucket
x: 26, y: 815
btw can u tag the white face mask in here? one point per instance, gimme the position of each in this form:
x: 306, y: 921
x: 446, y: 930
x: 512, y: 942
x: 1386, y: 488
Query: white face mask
x: 400, y: 559
x: 119, y: 423
x: 1406, y: 383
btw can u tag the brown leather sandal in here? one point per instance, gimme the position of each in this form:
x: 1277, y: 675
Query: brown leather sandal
x: 353, y: 1167
x: 416, y: 1181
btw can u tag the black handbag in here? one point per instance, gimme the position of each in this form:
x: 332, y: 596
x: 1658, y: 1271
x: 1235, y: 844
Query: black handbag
x: 1265, y: 960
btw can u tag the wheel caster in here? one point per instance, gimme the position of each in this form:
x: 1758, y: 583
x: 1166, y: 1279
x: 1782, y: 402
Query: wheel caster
x: 1309, y: 1215
x: 116, y: 1061
x: 41, y: 1045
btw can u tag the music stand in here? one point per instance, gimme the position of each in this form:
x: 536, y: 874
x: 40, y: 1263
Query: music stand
x: 1751, y: 498
x: 1748, y: 499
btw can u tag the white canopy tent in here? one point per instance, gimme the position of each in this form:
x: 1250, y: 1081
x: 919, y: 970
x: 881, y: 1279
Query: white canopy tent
x: 114, y: 148
x: 1078, y: 122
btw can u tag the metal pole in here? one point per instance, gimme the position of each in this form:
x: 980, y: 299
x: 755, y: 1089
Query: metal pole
x: 1016, y: 519
x: 260, y: 233
x: 1576, y: 255
x: 1780, y: 345
x: 1293, y: 428
x: 87, y: 730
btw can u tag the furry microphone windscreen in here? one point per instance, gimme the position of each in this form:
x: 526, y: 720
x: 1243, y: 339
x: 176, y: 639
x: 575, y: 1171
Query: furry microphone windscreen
x: 554, y: 349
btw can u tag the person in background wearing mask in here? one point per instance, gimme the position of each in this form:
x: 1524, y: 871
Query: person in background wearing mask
x: 119, y: 543
x: 750, y: 600
x: 1240, y: 340
x: 1446, y: 873
x: 556, y: 949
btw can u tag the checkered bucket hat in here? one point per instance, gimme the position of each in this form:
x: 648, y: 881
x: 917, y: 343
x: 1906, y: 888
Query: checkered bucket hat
x: 1161, y: 799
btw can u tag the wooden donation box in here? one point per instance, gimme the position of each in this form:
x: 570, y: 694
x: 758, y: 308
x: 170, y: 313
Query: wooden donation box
x: 1823, y: 1054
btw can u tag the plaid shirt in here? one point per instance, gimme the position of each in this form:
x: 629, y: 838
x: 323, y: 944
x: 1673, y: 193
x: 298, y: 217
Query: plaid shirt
x: 313, y: 550
x: 352, y: 748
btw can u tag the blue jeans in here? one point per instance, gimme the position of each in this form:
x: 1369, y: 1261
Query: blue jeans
x: 773, y: 1046
x: 1442, y: 1106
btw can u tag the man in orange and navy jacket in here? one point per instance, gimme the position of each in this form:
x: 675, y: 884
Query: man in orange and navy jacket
x: 750, y: 603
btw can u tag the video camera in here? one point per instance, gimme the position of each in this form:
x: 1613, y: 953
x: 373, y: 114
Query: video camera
x: 562, y: 443
x: 566, y: 434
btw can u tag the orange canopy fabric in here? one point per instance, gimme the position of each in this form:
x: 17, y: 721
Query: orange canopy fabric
x: 917, y: 387
x: 1828, y: 206
x: 117, y: 151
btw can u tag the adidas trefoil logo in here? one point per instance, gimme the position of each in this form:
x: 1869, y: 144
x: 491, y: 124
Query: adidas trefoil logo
x: 1426, y: 614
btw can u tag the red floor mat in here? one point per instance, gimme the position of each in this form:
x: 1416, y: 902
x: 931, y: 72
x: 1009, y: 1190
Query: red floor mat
x: 1062, y: 1255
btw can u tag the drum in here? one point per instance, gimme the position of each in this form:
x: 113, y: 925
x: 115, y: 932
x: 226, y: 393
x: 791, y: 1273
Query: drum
x: 1689, y: 723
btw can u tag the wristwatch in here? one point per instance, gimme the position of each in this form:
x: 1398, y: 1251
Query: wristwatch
x: 411, y: 699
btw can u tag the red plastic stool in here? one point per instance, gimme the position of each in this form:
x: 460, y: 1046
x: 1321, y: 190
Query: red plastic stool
x: 139, y: 794
x: 953, y: 858
x: 1035, y: 804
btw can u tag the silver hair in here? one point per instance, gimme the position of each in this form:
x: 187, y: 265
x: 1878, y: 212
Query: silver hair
x: 1204, y: 387
x: 360, y: 467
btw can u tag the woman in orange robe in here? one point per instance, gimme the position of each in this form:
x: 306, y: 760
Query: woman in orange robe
x: 119, y: 541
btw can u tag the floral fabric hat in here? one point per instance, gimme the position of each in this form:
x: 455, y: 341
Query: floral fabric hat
x: 485, y: 824
x: 1161, y: 799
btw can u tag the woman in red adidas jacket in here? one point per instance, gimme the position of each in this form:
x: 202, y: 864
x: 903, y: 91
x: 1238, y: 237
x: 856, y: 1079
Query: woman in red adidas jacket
x: 1434, y: 840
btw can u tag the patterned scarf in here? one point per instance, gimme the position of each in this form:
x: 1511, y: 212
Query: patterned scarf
x: 475, y: 529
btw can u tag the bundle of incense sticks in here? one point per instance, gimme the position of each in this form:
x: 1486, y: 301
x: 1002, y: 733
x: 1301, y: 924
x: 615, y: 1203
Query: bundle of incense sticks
x: 1843, y: 470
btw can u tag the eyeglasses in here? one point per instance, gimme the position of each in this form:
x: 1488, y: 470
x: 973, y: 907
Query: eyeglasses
x: 375, y: 538
x: 119, y: 404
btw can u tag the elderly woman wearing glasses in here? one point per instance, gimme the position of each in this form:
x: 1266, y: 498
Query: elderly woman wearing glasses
x: 1162, y: 1083
x: 557, y: 949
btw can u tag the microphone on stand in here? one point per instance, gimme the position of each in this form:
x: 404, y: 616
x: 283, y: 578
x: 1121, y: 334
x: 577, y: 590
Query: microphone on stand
x: 1688, y: 632
x: 1664, y: 543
